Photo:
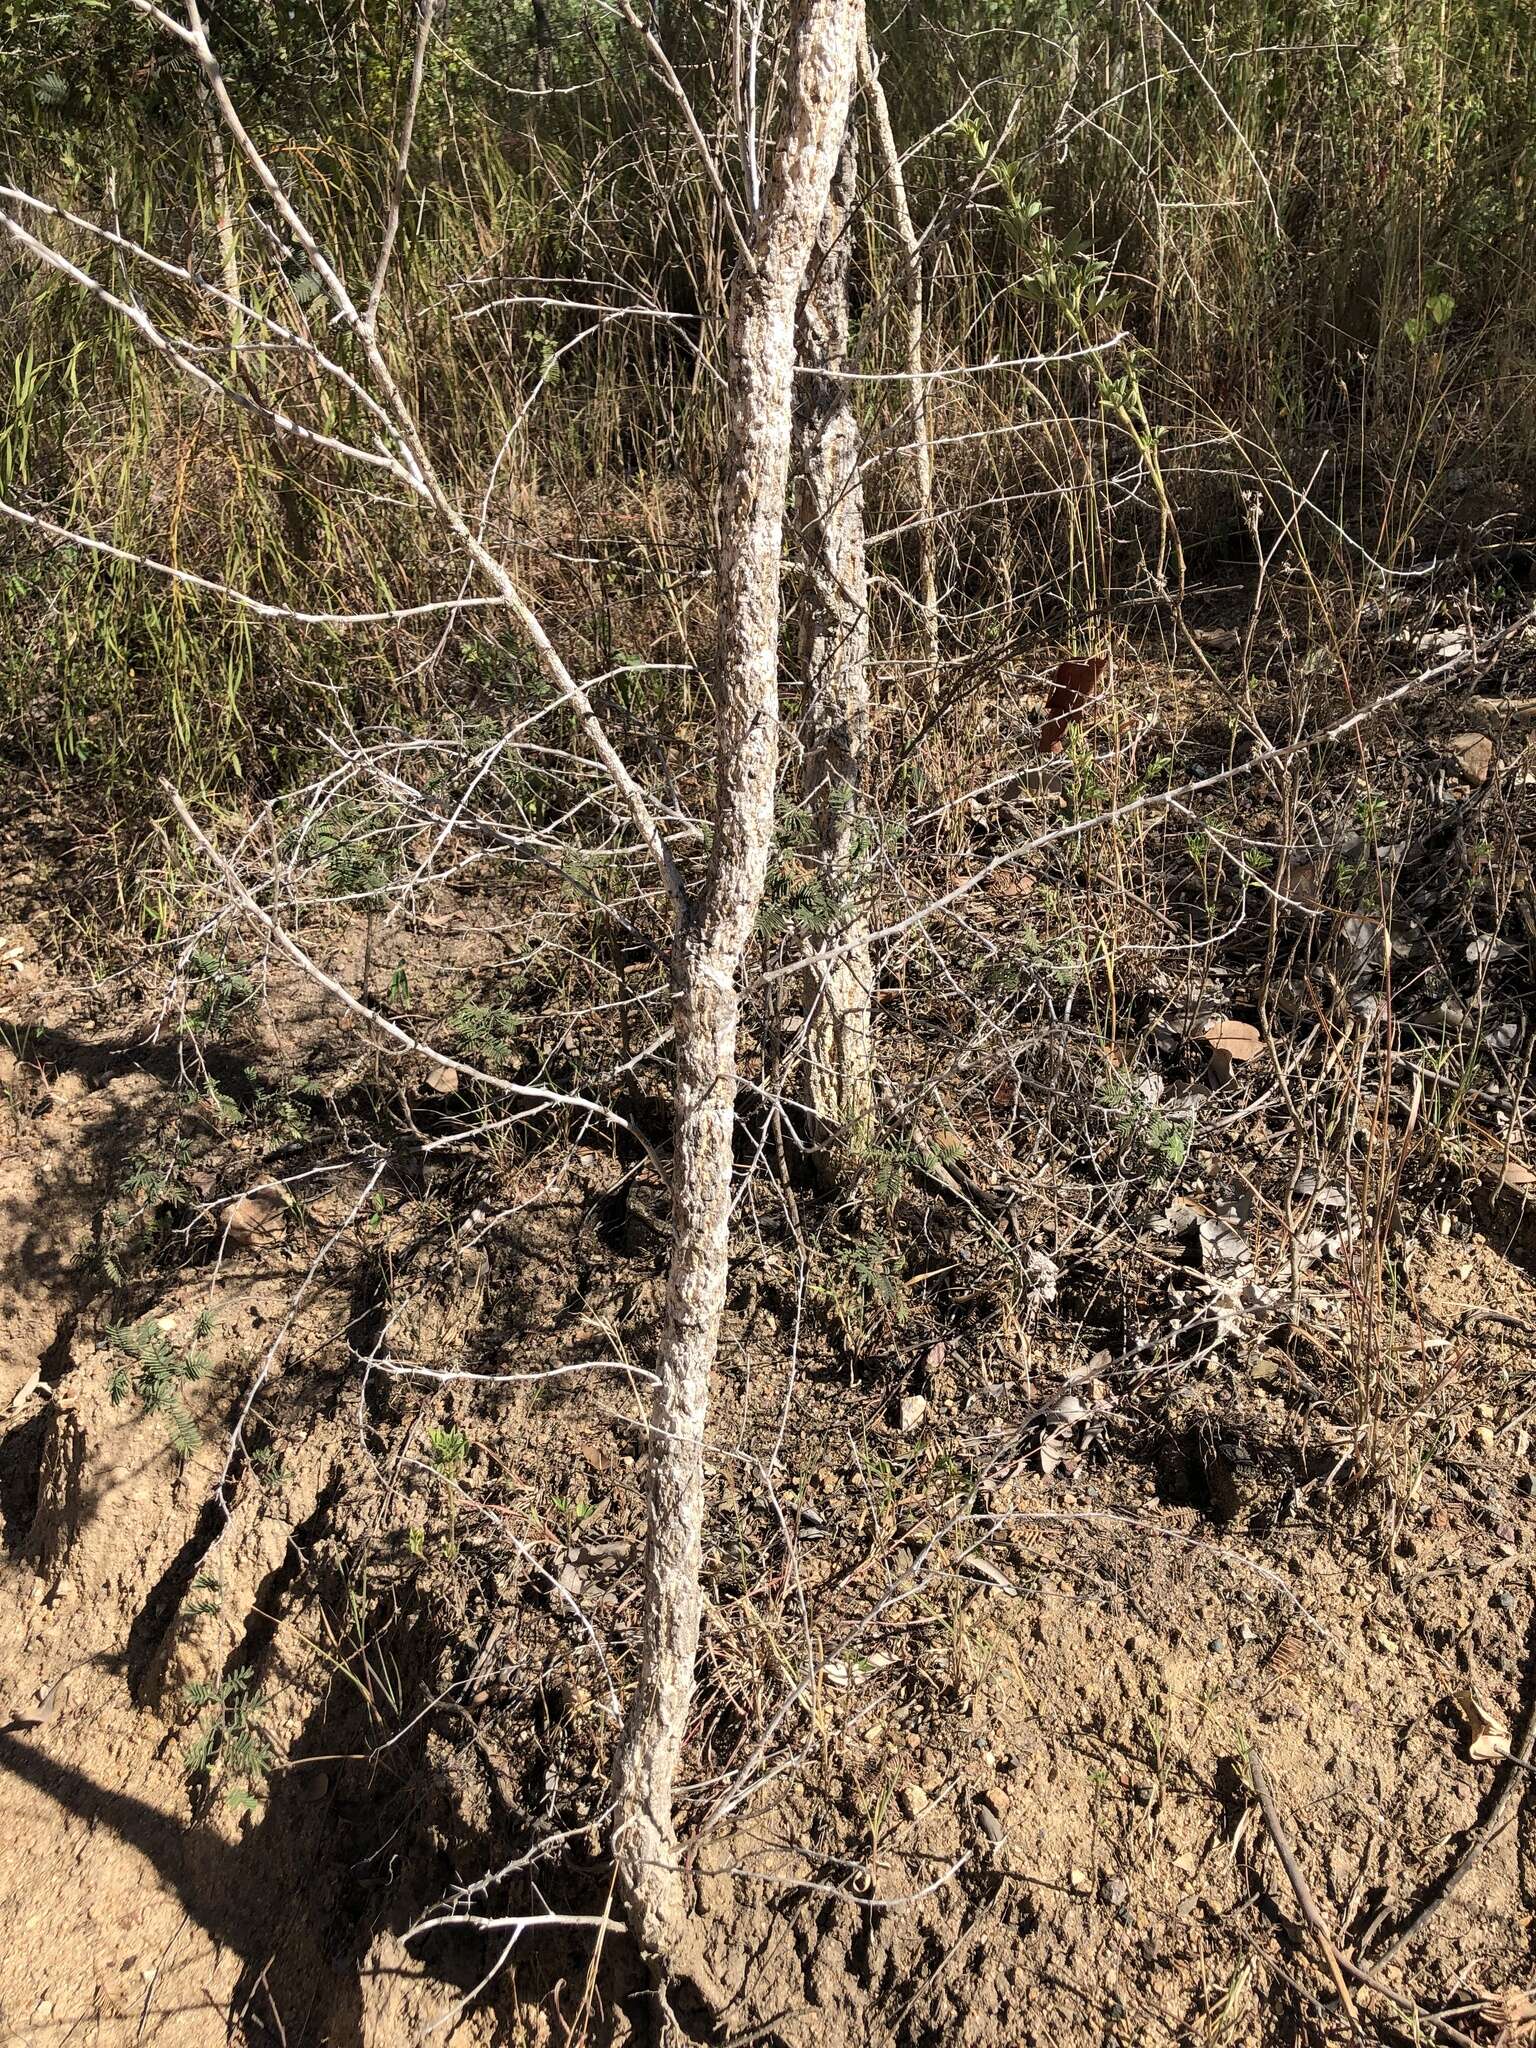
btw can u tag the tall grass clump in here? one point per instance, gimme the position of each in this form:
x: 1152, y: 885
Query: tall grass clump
x: 1299, y: 213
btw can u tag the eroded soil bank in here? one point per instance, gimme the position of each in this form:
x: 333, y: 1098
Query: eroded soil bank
x: 292, y: 1644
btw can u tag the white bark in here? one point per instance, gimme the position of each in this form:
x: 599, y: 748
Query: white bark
x: 712, y: 938
x: 833, y: 652
x: 917, y: 382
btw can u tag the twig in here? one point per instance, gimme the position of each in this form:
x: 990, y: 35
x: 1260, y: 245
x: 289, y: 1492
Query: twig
x: 917, y: 386
x: 1298, y: 1883
x: 1500, y: 1814
x: 549, y: 1097
x: 402, y: 163
x: 1339, y: 1965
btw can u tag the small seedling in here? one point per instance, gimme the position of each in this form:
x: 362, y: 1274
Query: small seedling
x: 153, y: 1368
x: 207, y: 1589
x: 229, y: 1746
x: 449, y: 1450
x: 270, y: 1470
x: 486, y: 1033
x: 219, y: 992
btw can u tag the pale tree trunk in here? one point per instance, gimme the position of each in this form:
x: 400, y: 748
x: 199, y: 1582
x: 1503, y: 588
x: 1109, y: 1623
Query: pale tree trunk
x: 918, y: 424
x: 833, y: 637
x: 711, y: 942
x: 543, y: 46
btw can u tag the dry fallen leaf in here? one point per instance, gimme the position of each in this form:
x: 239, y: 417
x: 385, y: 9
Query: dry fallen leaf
x: 1490, y: 1737
x: 836, y: 1672
x: 977, y: 1568
x: 1229, y: 1035
x: 1230, y: 1042
x: 1472, y: 754
x: 1075, y: 682
x: 258, y: 1216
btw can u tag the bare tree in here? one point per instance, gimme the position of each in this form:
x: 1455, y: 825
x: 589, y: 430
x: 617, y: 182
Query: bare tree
x: 833, y: 637
x: 919, y: 426
x: 713, y: 923
x: 712, y: 936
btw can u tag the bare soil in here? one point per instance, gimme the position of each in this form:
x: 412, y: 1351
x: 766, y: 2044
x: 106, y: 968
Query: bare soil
x: 980, y: 1683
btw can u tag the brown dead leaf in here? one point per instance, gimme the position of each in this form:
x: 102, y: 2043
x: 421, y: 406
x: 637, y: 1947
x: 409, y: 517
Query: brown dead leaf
x: 1473, y: 755
x: 1011, y: 884
x: 1230, y: 1043
x: 1075, y: 682
x: 1489, y: 1742
x: 257, y: 1217
x: 1230, y: 1035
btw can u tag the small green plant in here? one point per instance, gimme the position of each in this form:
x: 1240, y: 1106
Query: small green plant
x: 449, y: 1451
x: 572, y: 1513
x: 861, y: 1285
x: 154, y: 1185
x: 207, y: 1589
x: 486, y: 1033
x: 153, y: 1369
x: 1438, y: 308
x: 228, y: 1747
x: 353, y: 848
x: 285, y: 1107
x: 1142, y: 1127
x: 270, y: 1469
x: 217, y: 990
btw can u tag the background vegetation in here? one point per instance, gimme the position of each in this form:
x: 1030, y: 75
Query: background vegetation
x: 1312, y: 216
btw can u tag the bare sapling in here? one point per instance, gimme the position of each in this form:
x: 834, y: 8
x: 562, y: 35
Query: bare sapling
x: 833, y: 656
x: 713, y: 933
x: 713, y: 922
x: 918, y: 422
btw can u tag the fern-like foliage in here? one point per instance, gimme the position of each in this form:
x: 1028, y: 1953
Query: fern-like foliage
x: 152, y: 1369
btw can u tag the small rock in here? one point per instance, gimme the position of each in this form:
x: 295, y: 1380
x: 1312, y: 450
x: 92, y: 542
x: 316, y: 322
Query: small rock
x: 257, y: 1217
x: 1472, y: 755
x: 989, y: 1822
x: 1113, y: 1889
x: 1506, y: 1202
x: 914, y: 1801
x: 911, y: 1412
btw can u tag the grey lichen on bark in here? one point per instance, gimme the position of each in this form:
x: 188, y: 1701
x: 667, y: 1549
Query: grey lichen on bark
x: 833, y: 655
x: 919, y: 422
x: 714, y: 929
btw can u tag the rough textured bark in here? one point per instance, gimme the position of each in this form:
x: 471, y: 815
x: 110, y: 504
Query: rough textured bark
x: 543, y: 46
x: 712, y: 938
x: 917, y: 383
x: 833, y: 639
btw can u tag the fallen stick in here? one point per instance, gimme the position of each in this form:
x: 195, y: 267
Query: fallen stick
x: 1500, y: 1814
x: 1340, y: 1966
